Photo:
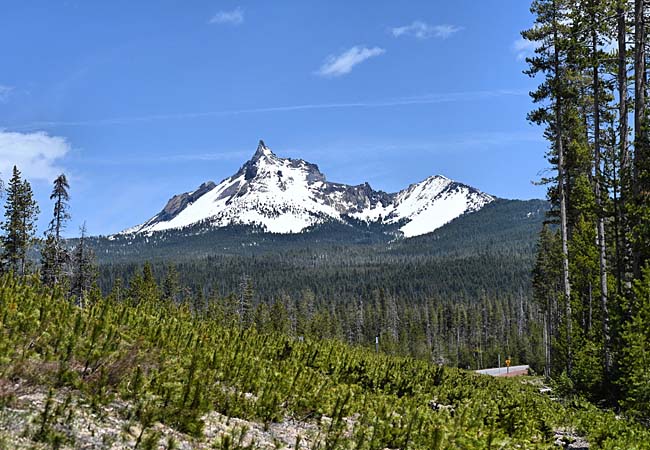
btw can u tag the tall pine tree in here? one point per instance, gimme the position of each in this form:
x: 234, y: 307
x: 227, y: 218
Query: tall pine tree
x: 84, y: 270
x: 21, y: 212
x: 54, y: 254
x: 551, y: 33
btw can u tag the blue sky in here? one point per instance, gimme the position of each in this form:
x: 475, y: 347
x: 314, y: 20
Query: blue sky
x: 137, y: 101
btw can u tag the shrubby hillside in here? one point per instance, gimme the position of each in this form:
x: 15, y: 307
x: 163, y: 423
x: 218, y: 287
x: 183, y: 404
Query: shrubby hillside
x: 164, y: 375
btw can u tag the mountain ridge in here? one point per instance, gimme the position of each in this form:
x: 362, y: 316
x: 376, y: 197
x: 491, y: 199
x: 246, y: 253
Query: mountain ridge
x: 287, y: 196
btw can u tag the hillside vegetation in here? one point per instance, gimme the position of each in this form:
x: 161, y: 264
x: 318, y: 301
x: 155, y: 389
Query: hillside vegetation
x: 499, y: 226
x: 460, y: 295
x: 170, y: 368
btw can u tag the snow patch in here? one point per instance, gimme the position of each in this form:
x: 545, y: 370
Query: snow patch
x: 289, y: 196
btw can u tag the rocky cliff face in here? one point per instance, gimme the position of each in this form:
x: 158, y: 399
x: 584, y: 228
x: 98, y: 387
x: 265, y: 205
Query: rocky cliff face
x: 289, y: 195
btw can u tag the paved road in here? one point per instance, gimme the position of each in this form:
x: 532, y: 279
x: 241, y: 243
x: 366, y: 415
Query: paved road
x: 505, y: 372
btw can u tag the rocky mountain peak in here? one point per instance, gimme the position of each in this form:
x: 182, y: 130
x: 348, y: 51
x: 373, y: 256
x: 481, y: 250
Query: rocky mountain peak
x: 284, y: 195
x: 262, y: 152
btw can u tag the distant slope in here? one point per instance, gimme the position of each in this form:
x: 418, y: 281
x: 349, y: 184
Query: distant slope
x: 490, y: 251
x: 498, y: 227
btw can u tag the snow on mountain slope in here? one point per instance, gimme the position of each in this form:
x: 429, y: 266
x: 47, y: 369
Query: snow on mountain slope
x: 434, y: 202
x: 290, y: 195
x: 280, y: 194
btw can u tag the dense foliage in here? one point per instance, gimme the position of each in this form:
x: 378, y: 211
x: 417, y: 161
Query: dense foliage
x: 19, y: 225
x: 591, y: 273
x: 173, y: 366
x: 460, y: 295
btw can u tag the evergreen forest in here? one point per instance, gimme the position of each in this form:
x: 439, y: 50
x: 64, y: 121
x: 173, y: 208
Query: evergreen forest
x: 350, y: 336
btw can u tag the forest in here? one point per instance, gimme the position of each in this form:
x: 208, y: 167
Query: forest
x: 174, y: 378
x: 591, y: 277
x: 461, y: 295
x: 358, y: 325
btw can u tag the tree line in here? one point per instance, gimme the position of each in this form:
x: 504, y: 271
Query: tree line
x: 592, y: 277
x: 74, y: 270
x: 461, y: 331
x: 433, y: 309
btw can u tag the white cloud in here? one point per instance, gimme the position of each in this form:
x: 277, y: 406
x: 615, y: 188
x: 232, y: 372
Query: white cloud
x: 234, y: 17
x: 423, y: 30
x: 5, y: 92
x: 337, y: 65
x: 36, y: 154
x: 524, y: 48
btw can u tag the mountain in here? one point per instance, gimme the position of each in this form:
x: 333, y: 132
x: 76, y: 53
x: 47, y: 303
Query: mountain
x: 286, y: 196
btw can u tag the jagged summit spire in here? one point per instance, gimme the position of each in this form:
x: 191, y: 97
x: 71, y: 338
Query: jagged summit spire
x: 262, y: 150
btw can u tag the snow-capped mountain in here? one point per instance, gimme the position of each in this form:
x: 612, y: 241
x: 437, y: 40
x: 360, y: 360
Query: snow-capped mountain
x: 290, y: 195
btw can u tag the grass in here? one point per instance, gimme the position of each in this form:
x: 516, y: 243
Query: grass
x: 173, y: 367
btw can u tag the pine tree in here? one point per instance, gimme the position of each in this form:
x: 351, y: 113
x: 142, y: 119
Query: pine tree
x: 641, y: 167
x: 552, y: 32
x: 21, y: 211
x: 279, y: 317
x: 245, y: 301
x: 636, y: 352
x: 171, y: 285
x: 547, y: 289
x: 623, y: 232
x: 84, y: 270
x: 359, y: 323
x: 602, y: 192
x: 50, y: 258
x: 54, y: 255
x: 144, y: 287
x: 595, y: 11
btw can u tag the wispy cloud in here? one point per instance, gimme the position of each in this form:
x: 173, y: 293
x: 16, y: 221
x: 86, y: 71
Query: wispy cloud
x: 234, y: 17
x: 187, y: 156
x: 426, y: 99
x: 338, y: 65
x: 36, y: 154
x: 523, y: 48
x: 423, y: 30
x: 444, y: 143
x: 5, y: 92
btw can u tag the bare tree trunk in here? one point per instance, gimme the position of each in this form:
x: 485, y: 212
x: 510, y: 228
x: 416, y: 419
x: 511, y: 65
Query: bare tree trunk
x: 559, y: 145
x: 547, y: 346
x: 600, y: 232
x: 566, y: 283
x: 640, y: 144
x: 625, y: 174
